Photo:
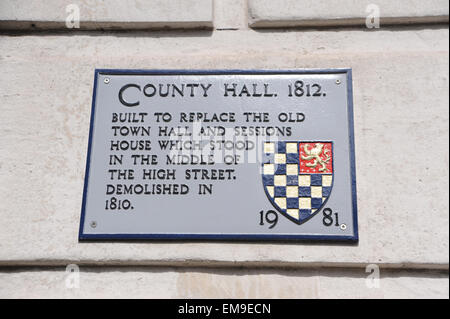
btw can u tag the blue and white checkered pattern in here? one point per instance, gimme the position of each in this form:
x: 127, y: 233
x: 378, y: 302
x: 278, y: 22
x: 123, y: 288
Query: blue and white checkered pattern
x: 293, y: 193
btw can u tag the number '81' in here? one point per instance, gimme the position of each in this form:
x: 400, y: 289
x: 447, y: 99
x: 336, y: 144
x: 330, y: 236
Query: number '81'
x: 328, y: 217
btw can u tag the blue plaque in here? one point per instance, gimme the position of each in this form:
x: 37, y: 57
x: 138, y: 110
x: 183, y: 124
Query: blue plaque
x: 221, y: 155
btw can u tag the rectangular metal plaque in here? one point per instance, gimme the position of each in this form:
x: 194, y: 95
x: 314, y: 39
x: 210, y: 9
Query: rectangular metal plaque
x: 221, y: 154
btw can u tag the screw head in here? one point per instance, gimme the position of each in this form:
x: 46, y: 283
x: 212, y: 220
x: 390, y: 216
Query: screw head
x: 343, y: 227
x: 93, y: 224
x: 106, y: 80
x: 338, y: 81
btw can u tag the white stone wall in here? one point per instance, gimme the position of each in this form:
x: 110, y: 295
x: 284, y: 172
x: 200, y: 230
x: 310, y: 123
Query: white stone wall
x: 400, y: 78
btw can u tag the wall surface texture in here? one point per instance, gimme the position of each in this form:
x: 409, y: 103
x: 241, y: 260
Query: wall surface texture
x: 401, y: 99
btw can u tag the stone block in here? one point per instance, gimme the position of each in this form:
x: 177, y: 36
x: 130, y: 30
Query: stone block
x: 313, y: 13
x: 99, y: 15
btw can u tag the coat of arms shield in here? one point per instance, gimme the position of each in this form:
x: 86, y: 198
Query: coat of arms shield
x: 298, y: 177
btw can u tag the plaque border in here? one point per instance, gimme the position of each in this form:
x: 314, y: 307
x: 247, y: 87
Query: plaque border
x: 226, y: 237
